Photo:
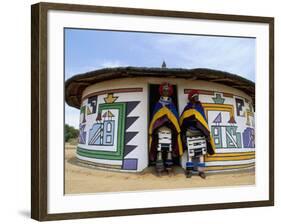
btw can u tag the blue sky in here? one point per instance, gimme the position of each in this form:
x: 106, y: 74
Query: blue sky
x: 87, y: 50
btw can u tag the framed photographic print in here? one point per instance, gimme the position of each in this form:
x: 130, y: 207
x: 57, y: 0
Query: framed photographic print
x: 140, y: 111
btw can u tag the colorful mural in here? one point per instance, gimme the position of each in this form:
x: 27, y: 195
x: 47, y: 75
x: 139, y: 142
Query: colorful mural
x: 113, y: 131
x: 231, y: 121
x: 105, y: 133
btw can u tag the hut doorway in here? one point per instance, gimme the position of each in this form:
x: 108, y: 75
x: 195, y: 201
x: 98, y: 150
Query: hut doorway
x: 153, y: 98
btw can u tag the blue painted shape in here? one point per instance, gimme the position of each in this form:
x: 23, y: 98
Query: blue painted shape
x: 82, y: 134
x: 217, y: 119
x: 95, y: 134
x: 108, y: 132
x: 249, y: 138
x: 130, y: 164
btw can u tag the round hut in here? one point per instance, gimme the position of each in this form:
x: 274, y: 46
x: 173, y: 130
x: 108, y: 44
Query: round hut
x: 116, y: 106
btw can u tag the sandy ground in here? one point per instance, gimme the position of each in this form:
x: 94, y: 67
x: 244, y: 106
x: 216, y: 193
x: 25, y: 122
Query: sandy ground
x: 81, y: 178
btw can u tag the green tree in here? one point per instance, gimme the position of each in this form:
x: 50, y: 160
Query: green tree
x: 70, y: 132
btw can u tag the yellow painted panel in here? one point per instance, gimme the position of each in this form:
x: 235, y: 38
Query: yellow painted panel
x: 230, y: 167
x: 218, y: 107
x: 231, y: 154
x: 229, y: 158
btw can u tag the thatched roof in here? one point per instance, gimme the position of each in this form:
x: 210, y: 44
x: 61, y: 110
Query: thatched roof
x: 75, y: 86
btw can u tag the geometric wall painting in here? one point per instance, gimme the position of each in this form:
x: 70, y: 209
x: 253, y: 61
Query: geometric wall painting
x: 239, y: 107
x: 82, y: 134
x: 83, y: 114
x: 92, y: 108
x: 249, y: 138
x: 249, y: 115
x: 217, y: 136
x: 128, y: 149
x: 111, y: 127
x: 110, y: 98
x: 233, y: 138
x: 218, y: 99
x: 129, y: 122
x: 217, y: 120
x: 103, y: 132
x: 226, y: 136
x: 131, y: 106
x: 232, y: 120
x: 130, y: 164
x: 107, y: 133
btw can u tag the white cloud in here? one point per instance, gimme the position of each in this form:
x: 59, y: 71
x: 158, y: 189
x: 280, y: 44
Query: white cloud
x: 235, y: 55
x: 109, y: 64
x: 95, y: 66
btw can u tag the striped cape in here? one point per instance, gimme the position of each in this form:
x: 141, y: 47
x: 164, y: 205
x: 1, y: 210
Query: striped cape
x: 165, y: 114
x: 193, y: 117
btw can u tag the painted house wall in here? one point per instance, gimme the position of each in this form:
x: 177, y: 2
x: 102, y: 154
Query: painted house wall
x: 113, y: 129
x: 124, y: 104
x: 230, y: 116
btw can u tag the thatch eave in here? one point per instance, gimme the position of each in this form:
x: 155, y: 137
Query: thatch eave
x: 75, y: 86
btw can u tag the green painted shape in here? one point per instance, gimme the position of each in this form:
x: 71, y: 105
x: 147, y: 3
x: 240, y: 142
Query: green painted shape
x: 218, y: 99
x: 82, y: 110
x: 217, y: 137
x: 118, y: 154
x: 236, y: 136
x: 93, y: 154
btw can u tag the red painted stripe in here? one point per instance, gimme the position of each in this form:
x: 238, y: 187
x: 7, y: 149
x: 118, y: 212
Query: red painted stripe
x: 120, y: 90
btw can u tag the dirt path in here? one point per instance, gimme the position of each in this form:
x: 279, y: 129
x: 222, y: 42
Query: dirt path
x: 81, y: 178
